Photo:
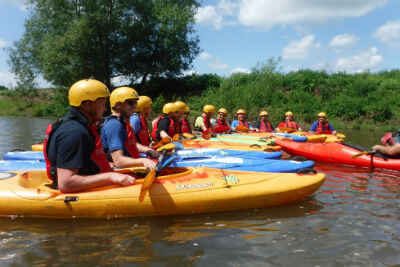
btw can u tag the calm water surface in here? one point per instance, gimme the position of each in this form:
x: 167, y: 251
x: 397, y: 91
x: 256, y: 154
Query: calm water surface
x: 352, y: 220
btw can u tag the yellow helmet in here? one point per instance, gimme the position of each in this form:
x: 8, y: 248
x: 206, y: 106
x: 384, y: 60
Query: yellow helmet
x: 143, y: 102
x: 209, y: 109
x: 87, y: 89
x: 263, y: 113
x: 241, y: 111
x: 187, y: 109
x: 322, y: 114
x: 222, y: 110
x: 170, y: 107
x: 121, y: 94
x: 181, y: 106
x: 289, y: 113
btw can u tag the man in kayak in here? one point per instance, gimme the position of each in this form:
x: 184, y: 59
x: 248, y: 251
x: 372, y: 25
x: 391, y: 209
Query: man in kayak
x: 117, y: 135
x: 203, y: 123
x: 184, y: 121
x: 139, y: 120
x: 264, y: 125
x: 166, y: 125
x: 241, y: 121
x: 289, y: 123
x: 75, y: 159
x: 221, y: 125
x: 392, y: 151
x: 322, y: 126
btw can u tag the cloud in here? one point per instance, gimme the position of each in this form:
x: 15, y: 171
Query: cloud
x: 389, y: 33
x: 204, y: 56
x: 300, y: 49
x: 239, y: 70
x: 21, y: 4
x: 218, y: 65
x: 265, y: 14
x: 365, y: 60
x: 7, y: 79
x: 3, y: 43
x: 343, y: 41
x: 208, y: 15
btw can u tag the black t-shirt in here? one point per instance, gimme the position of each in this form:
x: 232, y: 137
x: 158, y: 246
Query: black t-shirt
x: 71, y: 145
x: 162, y: 125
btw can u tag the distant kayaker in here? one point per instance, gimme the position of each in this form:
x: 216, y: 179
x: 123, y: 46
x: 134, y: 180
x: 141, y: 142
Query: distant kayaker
x: 322, y: 126
x: 289, y: 123
x: 241, y: 121
x: 75, y: 159
x: 264, y: 125
x: 221, y: 124
x: 167, y: 124
x: 393, y: 150
x: 184, y: 121
x: 139, y: 120
x: 117, y: 135
x: 203, y: 123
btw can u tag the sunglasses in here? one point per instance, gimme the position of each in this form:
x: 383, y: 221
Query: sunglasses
x: 131, y: 102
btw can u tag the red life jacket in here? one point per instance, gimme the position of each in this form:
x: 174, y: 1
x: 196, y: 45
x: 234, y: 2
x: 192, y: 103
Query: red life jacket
x: 130, y: 142
x: 244, y: 123
x: 390, y: 138
x: 265, y: 127
x: 323, y: 128
x: 221, y: 126
x: 143, y: 134
x: 185, y: 126
x: 292, y: 125
x: 98, y: 155
x: 171, y: 129
x: 207, y: 122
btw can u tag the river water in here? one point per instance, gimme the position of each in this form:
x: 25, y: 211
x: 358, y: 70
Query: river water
x: 352, y: 220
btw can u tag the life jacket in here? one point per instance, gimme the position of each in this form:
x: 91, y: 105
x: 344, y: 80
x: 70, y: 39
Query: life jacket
x: 244, y: 123
x: 143, y: 134
x: 323, y: 128
x: 185, y: 126
x: 265, y: 127
x: 171, y: 129
x: 292, y: 125
x: 207, y: 122
x: 221, y: 126
x: 130, y: 148
x: 390, y: 138
x: 98, y: 155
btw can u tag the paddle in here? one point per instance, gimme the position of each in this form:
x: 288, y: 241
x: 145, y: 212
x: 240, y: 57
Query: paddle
x: 241, y: 128
x: 131, y: 170
x: 162, y: 142
x: 362, y: 153
x: 151, y: 176
x: 286, y: 130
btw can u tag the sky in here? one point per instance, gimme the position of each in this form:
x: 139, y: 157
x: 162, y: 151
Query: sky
x: 235, y: 35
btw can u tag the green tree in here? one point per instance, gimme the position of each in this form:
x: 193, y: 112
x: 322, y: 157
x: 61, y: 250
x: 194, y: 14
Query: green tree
x: 67, y: 40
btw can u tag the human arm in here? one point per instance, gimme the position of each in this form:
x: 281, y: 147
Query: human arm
x: 135, y: 123
x: 70, y: 181
x: 388, y: 150
x: 122, y: 161
x: 313, y: 127
x: 332, y: 129
x: 257, y: 126
x: 234, y: 124
x: 199, y: 123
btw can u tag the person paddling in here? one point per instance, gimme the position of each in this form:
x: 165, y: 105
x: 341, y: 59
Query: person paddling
x: 139, y: 120
x: 203, y: 123
x: 75, y: 159
x: 241, y: 121
x: 221, y: 124
x: 289, y: 122
x: 322, y: 126
x: 264, y: 125
x: 117, y: 135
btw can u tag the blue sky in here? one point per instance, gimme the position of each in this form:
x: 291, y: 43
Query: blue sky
x: 331, y: 35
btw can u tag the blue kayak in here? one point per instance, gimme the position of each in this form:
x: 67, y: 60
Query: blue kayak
x: 21, y: 165
x: 185, y: 153
x: 231, y: 163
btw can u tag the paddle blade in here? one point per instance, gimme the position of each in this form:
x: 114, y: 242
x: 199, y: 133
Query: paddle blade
x: 360, y: 154
x: 148, y: 181
x: 176, y: 138
x: 286, y: 130
x: 241, y: 128
x: 168, y: 147
x: 162, y: 142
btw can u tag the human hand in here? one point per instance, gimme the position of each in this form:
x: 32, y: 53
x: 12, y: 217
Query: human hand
x: 154, y: 154
x: 149, y: 164
x: 121, y: 179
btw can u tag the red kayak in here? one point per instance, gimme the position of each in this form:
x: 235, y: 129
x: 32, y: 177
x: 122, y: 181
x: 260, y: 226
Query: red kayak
x: 336, y: 153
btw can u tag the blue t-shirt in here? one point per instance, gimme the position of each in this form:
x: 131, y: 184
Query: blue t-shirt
x: 113, y: 135
x: 135, y: 122
x: 315, y: 125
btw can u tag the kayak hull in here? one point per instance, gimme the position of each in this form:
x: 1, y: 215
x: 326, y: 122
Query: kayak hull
x: 228, y: 145
x: 337, y: 153
x: 176, y: 191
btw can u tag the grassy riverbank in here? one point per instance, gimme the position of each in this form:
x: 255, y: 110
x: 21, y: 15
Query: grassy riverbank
x: 352, y: 101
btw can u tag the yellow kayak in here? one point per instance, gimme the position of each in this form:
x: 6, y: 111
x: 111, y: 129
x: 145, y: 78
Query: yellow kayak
x: 176, y: 191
